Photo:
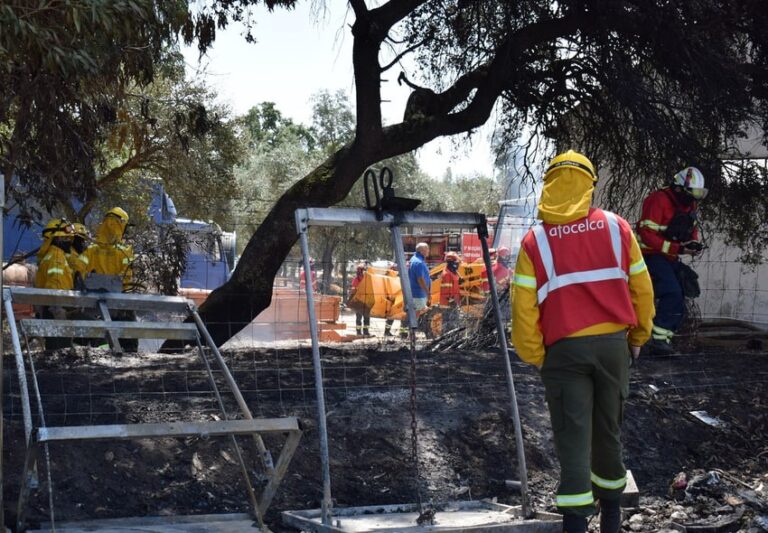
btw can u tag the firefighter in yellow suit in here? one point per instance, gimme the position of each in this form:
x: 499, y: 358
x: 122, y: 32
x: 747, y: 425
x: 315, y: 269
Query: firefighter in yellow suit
x: 54, y: 272
x: 109, y: 254
x: 582, y: 308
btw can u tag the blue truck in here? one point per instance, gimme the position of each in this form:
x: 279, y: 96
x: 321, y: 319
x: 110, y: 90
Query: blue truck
x: 211, y: 256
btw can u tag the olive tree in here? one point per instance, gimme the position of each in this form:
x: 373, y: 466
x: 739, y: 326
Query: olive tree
x: 641, y: 86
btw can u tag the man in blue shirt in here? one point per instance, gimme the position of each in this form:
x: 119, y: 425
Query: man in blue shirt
x: 418, y: 276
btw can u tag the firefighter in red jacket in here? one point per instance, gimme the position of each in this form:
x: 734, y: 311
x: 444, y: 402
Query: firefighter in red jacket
x: 668, y: 227
x: 582, y: 303
x: 501, y: 269
x: 450, y: 293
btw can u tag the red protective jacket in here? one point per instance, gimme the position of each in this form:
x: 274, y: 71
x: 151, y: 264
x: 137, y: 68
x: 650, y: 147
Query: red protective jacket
x: 450, y: 293
x: 501, y: 274
x: 659, y: 208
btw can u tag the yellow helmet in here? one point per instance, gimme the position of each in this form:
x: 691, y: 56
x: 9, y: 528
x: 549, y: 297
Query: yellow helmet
x: 574, y: 160
x: 118, y: 212
x: 81, y: 231
x: 58, y: 227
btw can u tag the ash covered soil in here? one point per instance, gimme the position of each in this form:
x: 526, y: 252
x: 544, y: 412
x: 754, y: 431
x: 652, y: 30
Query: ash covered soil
x: 465, y: 434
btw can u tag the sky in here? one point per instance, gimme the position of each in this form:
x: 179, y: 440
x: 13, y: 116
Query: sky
x: 301, y: 52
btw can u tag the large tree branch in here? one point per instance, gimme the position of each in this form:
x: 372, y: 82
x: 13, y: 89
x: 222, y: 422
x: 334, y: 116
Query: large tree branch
x: 369, y: 30
x: 487, y: 80
x: 389, y: 14
x: 137, y: 160
x: 249, y: 290
x: 402, y: 54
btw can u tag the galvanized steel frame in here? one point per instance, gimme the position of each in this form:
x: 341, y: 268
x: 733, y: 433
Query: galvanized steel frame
x: 340, y: 217
x: 288, y: 426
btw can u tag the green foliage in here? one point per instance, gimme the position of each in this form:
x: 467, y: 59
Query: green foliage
x: 333, y: 122
x: 470, y: 194
x: 265, y: 124
x: 744, y: 203
x: 642, y: 88
x: 94, y: 97
x: 161, y: 257
x: 65, y: 65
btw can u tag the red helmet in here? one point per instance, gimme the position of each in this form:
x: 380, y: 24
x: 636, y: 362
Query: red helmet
x: 451, y: 256
x: 503, y: 251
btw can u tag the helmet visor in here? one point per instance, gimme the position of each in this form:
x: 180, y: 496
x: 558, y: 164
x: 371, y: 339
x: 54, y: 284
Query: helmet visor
x: 699, y: 193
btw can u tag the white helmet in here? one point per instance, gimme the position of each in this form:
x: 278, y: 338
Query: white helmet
x: 692, y: 181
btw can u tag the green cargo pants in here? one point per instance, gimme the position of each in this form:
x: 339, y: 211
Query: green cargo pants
x: 586, y: 380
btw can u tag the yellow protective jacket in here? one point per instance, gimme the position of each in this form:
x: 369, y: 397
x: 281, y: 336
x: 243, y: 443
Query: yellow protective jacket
x: 565, y: 199
x: 108, y: 254
x: 53, y: 270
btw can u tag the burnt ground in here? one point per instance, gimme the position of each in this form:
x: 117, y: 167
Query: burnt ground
x: 465, y: 438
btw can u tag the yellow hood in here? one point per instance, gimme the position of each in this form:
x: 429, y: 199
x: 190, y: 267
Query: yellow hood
x: 110, y: 231
x: 566, y: 197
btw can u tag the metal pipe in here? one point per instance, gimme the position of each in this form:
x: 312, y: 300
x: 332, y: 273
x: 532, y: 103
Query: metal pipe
x: 266, y: 457
x: 405, y: 284
x: 322, y: 429
x: 2, y: 348
x: 26, y: 409
x: 240, y: 460
x: 42, y: 425
x: 501, y: 333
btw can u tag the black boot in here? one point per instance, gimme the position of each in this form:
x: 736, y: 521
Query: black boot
x: 659, y: 347
x: 574, y: 524
x: 610, y: 516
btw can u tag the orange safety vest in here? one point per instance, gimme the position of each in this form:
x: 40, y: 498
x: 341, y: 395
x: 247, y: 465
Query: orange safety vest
x: 450, y: 293
x: 581, y: 270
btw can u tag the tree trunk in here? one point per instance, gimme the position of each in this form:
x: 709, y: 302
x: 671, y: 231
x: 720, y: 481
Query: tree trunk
x: 232, y: 306
x: 327, y: 262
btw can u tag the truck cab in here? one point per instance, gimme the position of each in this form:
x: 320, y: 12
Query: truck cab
x: 211, y: 257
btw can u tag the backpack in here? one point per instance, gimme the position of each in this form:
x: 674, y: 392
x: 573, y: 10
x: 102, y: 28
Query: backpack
x: 680, y: 228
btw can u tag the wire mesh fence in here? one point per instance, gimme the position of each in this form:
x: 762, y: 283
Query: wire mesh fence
x: 462, y: 401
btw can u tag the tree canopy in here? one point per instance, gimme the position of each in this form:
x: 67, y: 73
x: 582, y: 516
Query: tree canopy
x: 643, y: 87
x: 94, y: 95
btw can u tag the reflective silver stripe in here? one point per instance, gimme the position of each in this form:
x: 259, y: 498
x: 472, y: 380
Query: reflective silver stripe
x: 574, y: 500
x: 613, y: 227
x: 586, y: 276
x: 55, y: 271
x: 608, y: 483
x: 84, y: 259
x: 662, y: 333
x: 555, y: 282
x: 540, y: 234
x: 636, y: 268
x: 525, y: 281
x: 653, y: 225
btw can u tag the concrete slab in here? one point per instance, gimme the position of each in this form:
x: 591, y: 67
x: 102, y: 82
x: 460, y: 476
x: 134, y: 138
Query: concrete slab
x: 631, y: 495
x: 458, y: 517
x: 223, y: 523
